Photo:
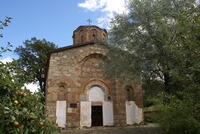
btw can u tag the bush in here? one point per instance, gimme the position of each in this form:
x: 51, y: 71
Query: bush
x: 178, y: 117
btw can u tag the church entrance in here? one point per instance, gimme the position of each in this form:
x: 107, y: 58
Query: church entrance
x: 96, y: 96
x: 97, y: 116
x: 96, y: 111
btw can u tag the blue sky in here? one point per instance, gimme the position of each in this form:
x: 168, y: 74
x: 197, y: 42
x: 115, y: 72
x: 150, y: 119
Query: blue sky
x: 54, y: 20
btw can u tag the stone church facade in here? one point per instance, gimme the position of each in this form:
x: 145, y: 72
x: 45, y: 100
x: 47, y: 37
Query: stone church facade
x: 77, y: 92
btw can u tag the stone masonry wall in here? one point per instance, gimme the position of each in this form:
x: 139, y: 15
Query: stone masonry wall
x: 71, y: 72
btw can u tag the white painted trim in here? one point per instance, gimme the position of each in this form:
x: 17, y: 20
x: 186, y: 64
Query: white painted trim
x: 134, y: 114
x: 85, y: 114
x: 61, y: 108
x: 108, y: 113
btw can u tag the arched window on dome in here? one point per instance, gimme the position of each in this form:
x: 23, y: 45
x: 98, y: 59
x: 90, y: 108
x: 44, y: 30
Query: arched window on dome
x: 104, y: 37
x: 82, y: 38
x: 81, y: 33
x: 94, y: 34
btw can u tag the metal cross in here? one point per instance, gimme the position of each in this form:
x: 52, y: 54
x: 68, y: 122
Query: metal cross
x: 89, y: 21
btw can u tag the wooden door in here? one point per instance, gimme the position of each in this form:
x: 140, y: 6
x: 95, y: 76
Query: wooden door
x: 97, y: 116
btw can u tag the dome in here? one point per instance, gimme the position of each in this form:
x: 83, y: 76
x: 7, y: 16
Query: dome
x: 84, y: 34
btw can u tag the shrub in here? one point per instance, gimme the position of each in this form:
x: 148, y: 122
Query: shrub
x: 178, y: 117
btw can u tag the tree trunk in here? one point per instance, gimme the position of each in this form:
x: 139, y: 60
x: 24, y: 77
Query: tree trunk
x: 167, y: 82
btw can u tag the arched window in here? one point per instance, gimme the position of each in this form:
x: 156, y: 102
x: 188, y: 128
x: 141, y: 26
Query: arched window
x: 94, y: 34
x: 129, y: 93
x: 104, y: 36
x: 82, y: 38
x: 61, y: 93
x: 94, y: 37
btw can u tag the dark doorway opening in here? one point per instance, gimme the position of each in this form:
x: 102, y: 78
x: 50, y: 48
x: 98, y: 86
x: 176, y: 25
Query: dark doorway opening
x: 97, y: 116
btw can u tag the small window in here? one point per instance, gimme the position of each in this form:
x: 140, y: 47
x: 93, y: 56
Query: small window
x: 129, y: 93
x: 61, y: 86
x: 94, y: 36
x: 73, y: 105
x: 104, y: 37
x: 109, y: 98
x: 82, y: 38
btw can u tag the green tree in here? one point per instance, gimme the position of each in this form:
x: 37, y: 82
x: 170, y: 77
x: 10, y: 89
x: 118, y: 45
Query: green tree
x: 160, y: 40
x: 33, y: 58
x: 147, y: 33
x: 4, y: 24
x: 21, y: 112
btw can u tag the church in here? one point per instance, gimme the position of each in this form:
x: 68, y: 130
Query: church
x: 77, y: 92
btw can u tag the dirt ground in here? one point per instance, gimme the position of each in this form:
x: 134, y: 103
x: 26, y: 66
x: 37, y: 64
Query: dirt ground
x: 115, y: 130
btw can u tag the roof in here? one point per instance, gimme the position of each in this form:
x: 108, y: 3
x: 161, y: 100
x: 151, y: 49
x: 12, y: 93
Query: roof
x: 89, y: 26
x: 77, y: 45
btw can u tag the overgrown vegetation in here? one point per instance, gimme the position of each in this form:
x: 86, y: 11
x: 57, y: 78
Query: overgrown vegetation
x: 160, y: 40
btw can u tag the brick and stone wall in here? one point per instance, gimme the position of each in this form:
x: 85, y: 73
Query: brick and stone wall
x: 72, y: 71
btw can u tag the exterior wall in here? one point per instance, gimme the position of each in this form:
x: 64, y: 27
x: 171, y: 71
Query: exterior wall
x: 72, y: 72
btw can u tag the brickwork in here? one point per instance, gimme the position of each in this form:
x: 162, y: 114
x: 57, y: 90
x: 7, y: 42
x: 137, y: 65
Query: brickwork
x: 85, y: 34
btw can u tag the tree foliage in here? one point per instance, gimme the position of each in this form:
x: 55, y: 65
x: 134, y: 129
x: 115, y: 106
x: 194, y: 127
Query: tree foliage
x: 160, y: 39
x: 33, y: 58
x: 21, y: 112
x: 181, y: 116
x: 150, y: 33
x: 4, y: 24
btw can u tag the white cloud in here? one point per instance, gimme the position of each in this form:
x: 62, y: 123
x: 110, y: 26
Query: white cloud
x: 32, y: 87
x: 91, y: 5
x: 7, y: 59
x: 109, y: 7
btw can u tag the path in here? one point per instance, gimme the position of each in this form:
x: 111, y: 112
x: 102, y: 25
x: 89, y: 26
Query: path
x: 115, y: 130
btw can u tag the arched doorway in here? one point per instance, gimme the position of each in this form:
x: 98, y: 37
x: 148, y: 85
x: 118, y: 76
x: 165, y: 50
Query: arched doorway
x: 96, y: 97
x: 96, y: 102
